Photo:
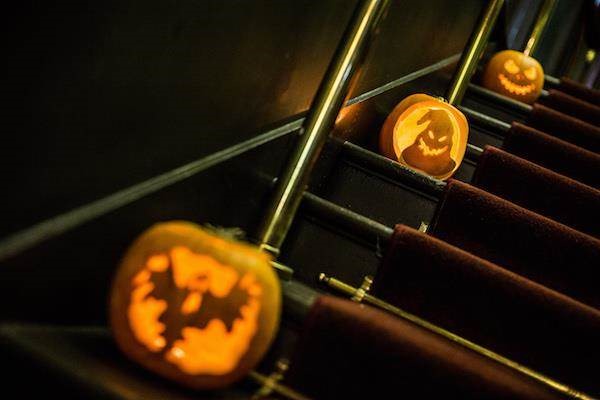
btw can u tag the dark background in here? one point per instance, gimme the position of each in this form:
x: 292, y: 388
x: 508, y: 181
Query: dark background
x: 101, y: 95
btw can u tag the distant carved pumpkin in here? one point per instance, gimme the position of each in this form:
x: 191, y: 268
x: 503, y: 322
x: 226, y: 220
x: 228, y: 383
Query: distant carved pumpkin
x: 194, y: 307
x: 514, y: 74
x: 425, y: 134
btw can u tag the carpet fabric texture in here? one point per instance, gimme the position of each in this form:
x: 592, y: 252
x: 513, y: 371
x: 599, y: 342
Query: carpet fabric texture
x: 539, y: 189
x: 572, y: 106
x: 491, y: 306
x: 526, y: 243
x: 347, y: 350
x: 576, y: 89
x: 565, y: 127
x: 553, y: 153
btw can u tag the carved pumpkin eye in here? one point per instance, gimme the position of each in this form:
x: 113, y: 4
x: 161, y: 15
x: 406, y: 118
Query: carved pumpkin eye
x: 511, y: 66
x: 430, y: 134
x: 530, y: 73
x: 443, y: 139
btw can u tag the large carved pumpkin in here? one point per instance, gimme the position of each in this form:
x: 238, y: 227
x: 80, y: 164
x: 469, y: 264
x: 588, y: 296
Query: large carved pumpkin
x: 425, y: 134
x: 515, y: 75
x: 194, y: 307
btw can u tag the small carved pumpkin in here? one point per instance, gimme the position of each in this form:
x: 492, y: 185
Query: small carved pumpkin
x: 425, y: 134
x: 515, y: 75
x: 194, y: 307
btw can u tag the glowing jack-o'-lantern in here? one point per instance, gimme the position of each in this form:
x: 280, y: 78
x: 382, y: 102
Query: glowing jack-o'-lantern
x: 194, y: 307
x: 425, y: 134
x: 515, y: 75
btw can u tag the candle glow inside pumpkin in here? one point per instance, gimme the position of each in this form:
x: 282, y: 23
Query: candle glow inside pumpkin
x: 515, y: 75
x: 425, y: 134
x: 194, y: 307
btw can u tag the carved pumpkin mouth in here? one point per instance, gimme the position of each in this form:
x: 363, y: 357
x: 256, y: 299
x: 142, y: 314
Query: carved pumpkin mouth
x: 515, y: 88
x: 428, y: 151
x: 198, y: 278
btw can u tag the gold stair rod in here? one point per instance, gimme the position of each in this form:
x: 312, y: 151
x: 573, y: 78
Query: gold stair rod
x: 538, y: 28
x: 273, y: 385
x: 473, y: 51
x: 318, y: 124
x: 361, y: 294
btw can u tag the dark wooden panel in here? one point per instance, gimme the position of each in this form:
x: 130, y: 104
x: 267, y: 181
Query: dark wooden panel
x: 106, y: 94
x: 42, y: 283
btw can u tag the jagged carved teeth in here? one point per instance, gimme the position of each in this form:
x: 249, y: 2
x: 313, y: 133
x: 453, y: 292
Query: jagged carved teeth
x: 428, y: 151
x: 214, y: 350
x: 515, y: 88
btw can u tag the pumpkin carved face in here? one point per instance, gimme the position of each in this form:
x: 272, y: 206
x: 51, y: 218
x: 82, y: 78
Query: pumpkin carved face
x: 194, y: 307
x: 425, y: 134
x: 515, y: 75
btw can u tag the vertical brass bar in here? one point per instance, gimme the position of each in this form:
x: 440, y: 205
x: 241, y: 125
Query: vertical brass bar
x: 319, y: 122
x: 539, y: 25
x: 473, y: 51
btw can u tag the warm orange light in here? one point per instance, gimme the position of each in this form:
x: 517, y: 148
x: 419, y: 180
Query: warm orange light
x: 212, y: 350
x: 425, y: 134
x: 515, y: 75
x: 193, y: 306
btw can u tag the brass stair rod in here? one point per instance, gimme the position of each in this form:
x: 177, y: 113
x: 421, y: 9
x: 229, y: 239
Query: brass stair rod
x: 538, y: 28
x: 366, y: 228
x: 363, y: 296
x: 473, y: 51
x: 318, y: 124
x: 276, y: 387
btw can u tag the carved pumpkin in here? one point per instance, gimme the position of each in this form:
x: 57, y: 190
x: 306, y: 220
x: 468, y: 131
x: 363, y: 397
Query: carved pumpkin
x: 425, y: 134
x: 194, y: 307
x: 515, y: 75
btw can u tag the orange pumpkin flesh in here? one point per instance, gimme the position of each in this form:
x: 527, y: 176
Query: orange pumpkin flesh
x: 425, y: 134
x: 194, y: 307
x: 515, y: 75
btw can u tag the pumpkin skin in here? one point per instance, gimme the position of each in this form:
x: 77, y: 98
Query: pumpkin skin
x: 515, y: 75
x: 193, y: 307
x: 425, y: 134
